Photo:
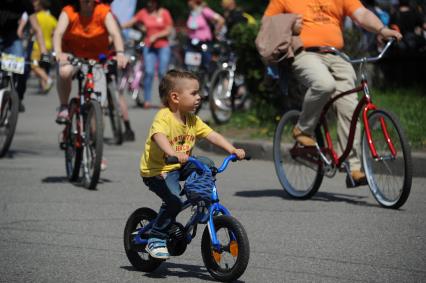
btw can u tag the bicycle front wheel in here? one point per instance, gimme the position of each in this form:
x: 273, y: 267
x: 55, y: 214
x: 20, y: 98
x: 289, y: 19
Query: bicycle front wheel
x: 220, y: 97
x: 93, y: 144
x: 390, y: 174
x: 9, y: 105
x: 230, y: 262
x: 72, y: 140
x: 300, y: 178
x: 114, y: 113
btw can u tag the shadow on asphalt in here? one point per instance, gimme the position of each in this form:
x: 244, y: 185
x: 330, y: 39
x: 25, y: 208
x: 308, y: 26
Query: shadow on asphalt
x: 319, y: 196
x: 64, y: 179
x: 187, y: 271
x: 13, y: 153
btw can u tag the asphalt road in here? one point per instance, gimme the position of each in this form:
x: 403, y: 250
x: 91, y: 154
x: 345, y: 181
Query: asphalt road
x: 55, y: 231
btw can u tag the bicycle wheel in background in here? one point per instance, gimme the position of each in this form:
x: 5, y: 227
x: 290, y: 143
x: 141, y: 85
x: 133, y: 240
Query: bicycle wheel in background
x: 93, y: 144
x: 230, y: 262
x: 300, y: 178
x: 114, y: 113
x: 389, y: 176
x: 220, y: 97
x: 9, y: 108
x: 73, y: 142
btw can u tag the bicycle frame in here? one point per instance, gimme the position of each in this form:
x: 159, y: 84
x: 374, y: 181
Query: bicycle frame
x: 86, y: 87
x: 214, y: 209
x: 364, y: 106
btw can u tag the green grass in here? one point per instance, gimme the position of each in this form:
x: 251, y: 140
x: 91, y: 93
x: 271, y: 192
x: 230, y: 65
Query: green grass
x: 408, y: 105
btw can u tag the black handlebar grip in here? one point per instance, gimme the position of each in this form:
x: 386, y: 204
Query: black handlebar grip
x: 171, y: 160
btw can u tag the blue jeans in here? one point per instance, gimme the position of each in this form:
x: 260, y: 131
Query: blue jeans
x: 14, y: 46
x: 151, y: 56
x: 169, y: 191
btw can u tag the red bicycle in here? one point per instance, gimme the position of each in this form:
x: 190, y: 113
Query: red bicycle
x: 83, y: 134
x: 386, y: 154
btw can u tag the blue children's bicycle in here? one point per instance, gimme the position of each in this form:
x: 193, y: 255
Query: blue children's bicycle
x: 224, y: 245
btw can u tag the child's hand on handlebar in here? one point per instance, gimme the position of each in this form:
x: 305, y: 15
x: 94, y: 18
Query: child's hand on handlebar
x: 182, y: 157
x: 239, y: 152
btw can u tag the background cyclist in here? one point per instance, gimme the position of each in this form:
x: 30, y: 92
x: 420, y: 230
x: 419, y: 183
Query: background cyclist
x: 10, y: 42
x: 328, y: 74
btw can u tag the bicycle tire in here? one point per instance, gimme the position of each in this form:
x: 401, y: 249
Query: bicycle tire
x: 73, y: 149
x: 239, y: 251
x: 93, y: 144
x: 300, y: 179
x: 9, y: 111
x: 114, y: 113
x: 138, y: 257
x: 389, y: 178
x: 220, y: 99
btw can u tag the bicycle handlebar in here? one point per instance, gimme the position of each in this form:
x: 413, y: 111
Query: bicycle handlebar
x: 344, y: 56
x: 201, y: 166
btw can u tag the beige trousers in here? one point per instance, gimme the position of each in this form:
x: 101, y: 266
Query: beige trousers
x: 326, y: 75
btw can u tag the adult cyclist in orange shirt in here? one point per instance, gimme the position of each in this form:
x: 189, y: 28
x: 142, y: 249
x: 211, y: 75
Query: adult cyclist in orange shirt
x: 321, y: 24
x: 83, y: 30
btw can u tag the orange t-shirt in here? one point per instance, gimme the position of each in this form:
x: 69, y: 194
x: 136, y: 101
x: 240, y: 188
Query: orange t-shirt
x: 86, y: 37
x: 322, y: 19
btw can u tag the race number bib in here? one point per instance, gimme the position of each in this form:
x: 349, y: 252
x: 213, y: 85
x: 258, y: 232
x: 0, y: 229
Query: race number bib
x: 12, y: 63
x: 193, y: 58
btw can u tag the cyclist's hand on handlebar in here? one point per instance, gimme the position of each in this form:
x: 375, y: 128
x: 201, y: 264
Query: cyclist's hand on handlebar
x: 387, y: 33
x: 239, y: 152
x: 62, y: 58
x: 121, y: 60
x: 182, y: 157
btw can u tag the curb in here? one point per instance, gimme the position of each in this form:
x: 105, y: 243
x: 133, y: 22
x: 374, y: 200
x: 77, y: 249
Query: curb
x: 262, y: 150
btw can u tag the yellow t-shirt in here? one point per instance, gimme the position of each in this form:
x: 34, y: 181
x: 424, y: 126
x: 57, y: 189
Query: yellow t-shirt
x: 181, y: 136
x: 47, y: 23
x: 322, y: 19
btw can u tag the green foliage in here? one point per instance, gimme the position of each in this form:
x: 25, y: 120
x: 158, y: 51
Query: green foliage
x: 267, y: 105
x: 407, y: 104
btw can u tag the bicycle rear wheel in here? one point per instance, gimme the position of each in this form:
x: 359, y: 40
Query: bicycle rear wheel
x: 9, y: 105
x: 137, y: 254
x: 93, y: 144
x: 114, y: 113
x: 220, y: 97
x: 300, y: 178
x: 73, y: 142
x: 389, y: 176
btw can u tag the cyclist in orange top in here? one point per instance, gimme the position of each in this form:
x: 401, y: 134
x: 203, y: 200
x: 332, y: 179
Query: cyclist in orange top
x: 326, y: 74
x: 83, y: 29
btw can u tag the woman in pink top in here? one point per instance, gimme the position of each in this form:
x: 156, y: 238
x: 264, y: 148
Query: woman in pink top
x: 158, y: 25
x: 198, y: 26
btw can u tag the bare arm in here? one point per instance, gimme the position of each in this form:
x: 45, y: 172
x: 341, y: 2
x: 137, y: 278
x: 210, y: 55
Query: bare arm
x: 20, y: 31
x: 38, y: 33
x: 161, y: 140
x: 219, y: 22
x: 129, y: 24
x: 114, y: 32
x: 61, y: 27
x: 220, y: 141
x: 369, y: 21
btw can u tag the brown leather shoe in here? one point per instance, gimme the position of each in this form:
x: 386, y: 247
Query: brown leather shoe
x: 303, y: 138
x: 359, y: 177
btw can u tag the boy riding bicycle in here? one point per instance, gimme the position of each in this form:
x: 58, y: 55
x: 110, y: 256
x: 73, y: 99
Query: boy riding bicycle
x: 173, y: 133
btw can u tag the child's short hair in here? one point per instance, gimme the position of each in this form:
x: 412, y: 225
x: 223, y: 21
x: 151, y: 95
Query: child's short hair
x: 169, y: 83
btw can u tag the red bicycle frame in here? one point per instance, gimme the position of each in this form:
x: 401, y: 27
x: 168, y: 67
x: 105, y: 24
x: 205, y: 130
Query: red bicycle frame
x: 364, y: 105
